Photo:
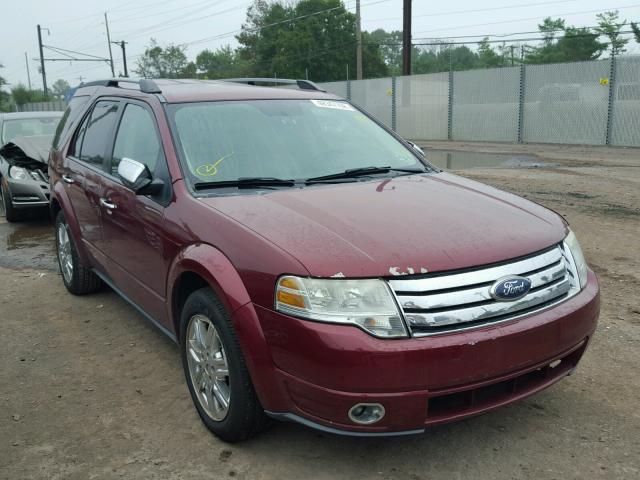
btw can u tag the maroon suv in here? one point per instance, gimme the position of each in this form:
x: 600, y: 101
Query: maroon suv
x: 310, y: 263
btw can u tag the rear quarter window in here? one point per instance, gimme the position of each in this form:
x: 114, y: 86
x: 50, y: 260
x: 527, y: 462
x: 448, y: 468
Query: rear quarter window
x: 73, y: 111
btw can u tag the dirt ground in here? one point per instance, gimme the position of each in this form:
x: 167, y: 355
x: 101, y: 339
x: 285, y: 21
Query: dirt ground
x: 88, y: 389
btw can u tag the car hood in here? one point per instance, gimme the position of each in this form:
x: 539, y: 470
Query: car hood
x: 409, y: 224
x: 24, y: 151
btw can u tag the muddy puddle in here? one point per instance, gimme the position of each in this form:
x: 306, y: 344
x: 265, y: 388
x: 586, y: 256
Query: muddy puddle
x: 456, y: 160
x: 27, y: 244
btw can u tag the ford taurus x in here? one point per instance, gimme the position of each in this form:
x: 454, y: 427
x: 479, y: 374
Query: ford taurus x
x: 311, y: 264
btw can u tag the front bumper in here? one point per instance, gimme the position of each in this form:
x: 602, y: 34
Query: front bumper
x: 27, y: 193
x: 316, y: 372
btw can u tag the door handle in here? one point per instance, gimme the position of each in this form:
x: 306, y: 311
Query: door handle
x: 67, y: 179
x: 107, y: 204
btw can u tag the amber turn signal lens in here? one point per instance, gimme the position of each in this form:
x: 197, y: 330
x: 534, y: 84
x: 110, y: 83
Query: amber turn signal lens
x: 289, y: 282
x: 291, y: 299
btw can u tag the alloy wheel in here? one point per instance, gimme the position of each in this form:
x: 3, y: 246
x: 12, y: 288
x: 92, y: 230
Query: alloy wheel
x: 64, y: 253
x: 208, y: 367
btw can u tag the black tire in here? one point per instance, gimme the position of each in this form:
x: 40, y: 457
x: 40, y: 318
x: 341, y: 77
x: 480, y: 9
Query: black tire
x: 11, y: 214
x: 82, y: 280
x: 245, y: 417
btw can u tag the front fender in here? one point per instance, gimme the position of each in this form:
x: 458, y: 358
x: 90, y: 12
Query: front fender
x: 217, y: 270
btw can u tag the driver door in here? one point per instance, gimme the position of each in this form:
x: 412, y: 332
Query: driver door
x: 134, y: 240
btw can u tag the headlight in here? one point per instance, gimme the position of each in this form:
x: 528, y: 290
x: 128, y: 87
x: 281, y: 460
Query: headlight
x: 18, y: 173
x: 578, y: 258
x: 367, y: 304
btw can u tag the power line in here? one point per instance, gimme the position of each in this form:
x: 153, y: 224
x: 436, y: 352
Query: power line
x: 227, y: 34
x: 503, y: 35
x: 165, y: 12
x: 531, y: 18
x: 168, y: 24
x: 478, y: 10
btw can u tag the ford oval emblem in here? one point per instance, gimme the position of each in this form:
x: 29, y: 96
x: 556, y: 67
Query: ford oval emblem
x: 511, y: 288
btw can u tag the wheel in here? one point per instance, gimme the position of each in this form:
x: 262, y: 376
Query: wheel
x: 78, y: 278
x: 11, y: 214
x: 215, y: 370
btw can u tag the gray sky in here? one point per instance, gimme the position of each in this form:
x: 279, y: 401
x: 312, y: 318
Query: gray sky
x: 79, y: 25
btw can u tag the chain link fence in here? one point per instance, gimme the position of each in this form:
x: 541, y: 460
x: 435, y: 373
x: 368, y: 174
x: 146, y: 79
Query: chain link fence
x: 582, y: 103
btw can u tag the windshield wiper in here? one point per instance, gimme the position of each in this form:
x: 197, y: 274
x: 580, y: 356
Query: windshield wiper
x: 246, y: 182
x: 363, y: 171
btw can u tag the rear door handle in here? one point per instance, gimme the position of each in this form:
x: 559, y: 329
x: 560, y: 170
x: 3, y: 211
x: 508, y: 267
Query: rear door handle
x: 67, y: 179
x: 107, y: 204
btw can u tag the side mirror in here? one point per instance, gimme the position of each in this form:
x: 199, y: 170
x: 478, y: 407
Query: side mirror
x: 137, y: 177
x: 416, y: 148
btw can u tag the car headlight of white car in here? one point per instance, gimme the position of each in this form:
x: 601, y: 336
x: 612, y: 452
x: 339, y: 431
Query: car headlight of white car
x: 18, y: 173
x: 367, y: 304
x: 578, y: 257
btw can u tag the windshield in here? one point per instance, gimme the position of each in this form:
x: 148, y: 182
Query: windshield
x: 27, y: 127
x: 282, y: 139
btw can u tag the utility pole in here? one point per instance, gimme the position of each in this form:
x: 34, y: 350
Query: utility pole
x: 358, y: 43
x: 124, y: 56
x: 44, y: 75
x: 106, y: 23
x: 406, y: 38
x: 28, y: 74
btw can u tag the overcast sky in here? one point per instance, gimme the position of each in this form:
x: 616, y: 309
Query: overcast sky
x: 79, y: 25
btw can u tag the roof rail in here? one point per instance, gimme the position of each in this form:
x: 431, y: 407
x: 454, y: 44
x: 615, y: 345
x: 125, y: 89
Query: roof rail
x: 146, y: 85
x: 302, y: 84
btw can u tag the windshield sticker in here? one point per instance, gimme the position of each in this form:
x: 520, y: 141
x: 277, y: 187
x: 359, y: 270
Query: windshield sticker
x: 211, y: 169
x: 334, y: 105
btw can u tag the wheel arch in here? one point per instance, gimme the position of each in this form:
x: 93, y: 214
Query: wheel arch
x: 60, y: 202
x: 202, y: 265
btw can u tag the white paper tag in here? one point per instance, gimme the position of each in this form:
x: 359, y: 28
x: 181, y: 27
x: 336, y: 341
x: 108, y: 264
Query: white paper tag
x: 332, y: 104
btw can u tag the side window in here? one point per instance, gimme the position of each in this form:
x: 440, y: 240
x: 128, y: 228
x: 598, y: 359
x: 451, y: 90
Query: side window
x: 70, y: 114
x: 97, y: 136
x: 74, y: 149
x: 136, y: 139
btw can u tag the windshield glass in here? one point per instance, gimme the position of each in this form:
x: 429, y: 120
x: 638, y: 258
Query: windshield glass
x: 287, y: 139
x: 27, y: 127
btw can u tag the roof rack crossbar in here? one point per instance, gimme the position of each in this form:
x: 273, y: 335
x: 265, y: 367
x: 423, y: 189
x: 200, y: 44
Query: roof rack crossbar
x: 302, y: 84
x: 146, y: 85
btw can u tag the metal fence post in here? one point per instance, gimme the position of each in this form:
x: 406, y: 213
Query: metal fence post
x: 393, y: 103
x: 348, y: 89
x: 523, y: 78
x: 612, y: 97
x: 450, y: 113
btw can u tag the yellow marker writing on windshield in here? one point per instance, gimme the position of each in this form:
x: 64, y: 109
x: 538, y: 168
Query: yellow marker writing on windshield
x: 210, y: 169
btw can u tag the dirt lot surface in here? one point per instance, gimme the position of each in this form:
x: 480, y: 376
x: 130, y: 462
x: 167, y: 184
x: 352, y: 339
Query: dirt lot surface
x: 88, y: 389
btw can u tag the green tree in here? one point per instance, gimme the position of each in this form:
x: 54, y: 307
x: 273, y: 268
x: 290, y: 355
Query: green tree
x: 487, y: 56
x: 636, y: 31
x: 550, y: 27
x: 314, y: 37
x: 573, y: 45
x: 4, y: 96
x: 167, y: 62
x: 22, y: 95
x: 580, y: 44
x: 60, y: 87
x: 224, y: 62
x: 609, y: 26
x: 441, y: 58
x: 390, y: 46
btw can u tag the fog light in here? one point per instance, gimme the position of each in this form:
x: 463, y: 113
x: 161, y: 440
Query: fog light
x: 366, y: 413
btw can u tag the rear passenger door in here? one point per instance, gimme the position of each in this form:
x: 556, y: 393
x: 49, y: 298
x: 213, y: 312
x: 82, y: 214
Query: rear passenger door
x: 83, y: 168
x: 133, y: 224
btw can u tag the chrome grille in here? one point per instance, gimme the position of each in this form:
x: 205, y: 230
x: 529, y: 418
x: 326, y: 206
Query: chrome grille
x: 449, y: 301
